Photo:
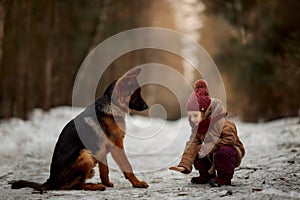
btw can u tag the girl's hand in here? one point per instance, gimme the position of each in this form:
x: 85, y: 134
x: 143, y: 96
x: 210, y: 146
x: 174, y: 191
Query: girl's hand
x: 178, y: 169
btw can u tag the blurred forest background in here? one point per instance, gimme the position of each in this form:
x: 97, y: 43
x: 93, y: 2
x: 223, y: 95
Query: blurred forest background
x: 255, y: 45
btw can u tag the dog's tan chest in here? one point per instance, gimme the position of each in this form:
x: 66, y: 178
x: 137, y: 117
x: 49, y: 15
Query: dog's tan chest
x: 114, y: 127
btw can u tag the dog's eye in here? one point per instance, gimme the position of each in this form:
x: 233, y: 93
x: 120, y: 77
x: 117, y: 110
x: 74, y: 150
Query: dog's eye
x: 130, y: 86
x: 128, y: 93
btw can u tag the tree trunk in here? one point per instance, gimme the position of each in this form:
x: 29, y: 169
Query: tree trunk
x: 2, y: 22
x: 49, y: 23
x: 100, y: 25
x: 24, y: 24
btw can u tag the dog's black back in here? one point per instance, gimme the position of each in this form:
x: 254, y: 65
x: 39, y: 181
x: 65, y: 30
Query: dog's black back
x: 70, y: 143
x: 82, y: 139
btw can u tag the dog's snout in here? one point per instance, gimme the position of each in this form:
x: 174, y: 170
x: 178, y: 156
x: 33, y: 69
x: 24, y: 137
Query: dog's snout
x: 145, y: 107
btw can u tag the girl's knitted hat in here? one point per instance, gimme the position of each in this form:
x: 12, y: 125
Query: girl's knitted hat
x: 199, y: 99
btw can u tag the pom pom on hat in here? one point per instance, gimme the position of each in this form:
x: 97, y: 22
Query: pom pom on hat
x: 201, y: 83
x: 199, y: 99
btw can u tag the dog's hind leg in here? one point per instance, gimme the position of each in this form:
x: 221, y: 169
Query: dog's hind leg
x: 75, y: 176
x: 87, y: 162
x: 92, y: 186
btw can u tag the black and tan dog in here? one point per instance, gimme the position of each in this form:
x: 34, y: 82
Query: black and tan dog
x: 83, y: 143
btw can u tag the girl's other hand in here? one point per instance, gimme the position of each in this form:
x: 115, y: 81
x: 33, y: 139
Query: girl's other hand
x: 178, y: 169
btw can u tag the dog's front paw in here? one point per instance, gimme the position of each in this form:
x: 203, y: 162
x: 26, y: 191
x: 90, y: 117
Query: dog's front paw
x: 108, y: 184
x: 140, y: 184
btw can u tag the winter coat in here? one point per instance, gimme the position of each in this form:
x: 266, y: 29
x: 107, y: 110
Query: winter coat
x: 206, y: 140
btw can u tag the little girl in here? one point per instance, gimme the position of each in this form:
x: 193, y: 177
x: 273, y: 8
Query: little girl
x: 214, y: 147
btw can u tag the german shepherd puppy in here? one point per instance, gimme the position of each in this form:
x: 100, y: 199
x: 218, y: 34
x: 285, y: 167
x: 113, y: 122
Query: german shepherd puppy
x: 89, y: 137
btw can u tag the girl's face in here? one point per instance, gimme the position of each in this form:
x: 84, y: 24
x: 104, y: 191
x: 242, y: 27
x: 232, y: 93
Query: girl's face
x: 195, y: 116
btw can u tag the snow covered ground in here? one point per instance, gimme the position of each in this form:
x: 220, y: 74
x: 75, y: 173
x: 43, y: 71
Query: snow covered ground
x: 270, y: 169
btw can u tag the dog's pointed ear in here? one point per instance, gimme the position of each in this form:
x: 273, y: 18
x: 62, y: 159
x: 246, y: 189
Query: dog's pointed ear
x: 123, y: 86
x: 133, y: 73
x: 130, y: 75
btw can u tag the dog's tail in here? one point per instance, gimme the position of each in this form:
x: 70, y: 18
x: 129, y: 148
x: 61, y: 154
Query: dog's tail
x: 22, y: 184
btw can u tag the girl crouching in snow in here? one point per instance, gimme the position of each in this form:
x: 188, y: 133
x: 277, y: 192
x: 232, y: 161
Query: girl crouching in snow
x: 214, y: 147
